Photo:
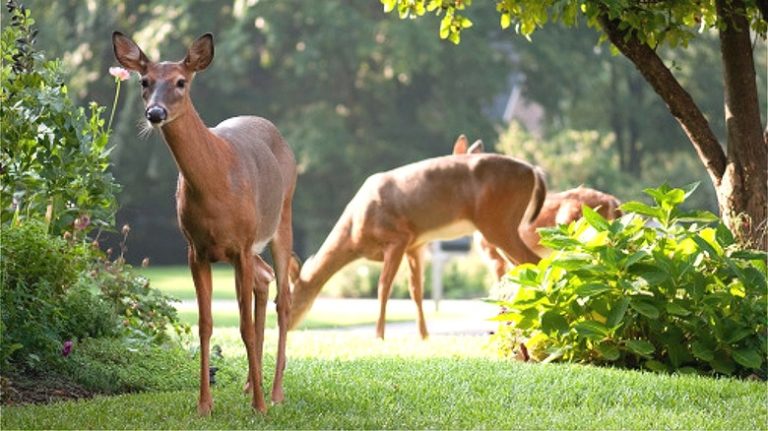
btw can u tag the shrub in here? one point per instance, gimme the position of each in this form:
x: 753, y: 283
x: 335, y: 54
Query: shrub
x: 36, y: 273
x: 54, y: 155
x: 671, y: 293
x: 53, y: 290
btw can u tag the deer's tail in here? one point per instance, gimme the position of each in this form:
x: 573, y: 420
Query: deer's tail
x: 538, y: 196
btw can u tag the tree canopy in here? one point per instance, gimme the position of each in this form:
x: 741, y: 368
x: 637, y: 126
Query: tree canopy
x: 638, y: 29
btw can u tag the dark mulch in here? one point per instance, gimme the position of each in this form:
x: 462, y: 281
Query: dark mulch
x: 40, y: 388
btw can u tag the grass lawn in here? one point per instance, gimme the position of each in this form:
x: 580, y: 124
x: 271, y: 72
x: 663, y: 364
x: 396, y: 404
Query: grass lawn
x: 342, y: 379
x: 176, y: 281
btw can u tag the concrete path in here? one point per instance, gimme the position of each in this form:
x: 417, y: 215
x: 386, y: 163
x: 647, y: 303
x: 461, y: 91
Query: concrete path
x: 455, y: 317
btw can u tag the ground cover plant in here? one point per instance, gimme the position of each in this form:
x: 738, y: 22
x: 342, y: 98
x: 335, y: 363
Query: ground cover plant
x: 668, y: 291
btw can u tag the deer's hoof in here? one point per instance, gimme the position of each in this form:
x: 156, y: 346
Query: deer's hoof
x: 204, y: 408
x: 259, y: 406
x: 277, y: 395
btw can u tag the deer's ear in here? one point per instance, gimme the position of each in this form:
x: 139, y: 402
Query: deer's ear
x: 460, y: 147
x: 200, y: 54
x: 476, y: 147
x: 129, y: 54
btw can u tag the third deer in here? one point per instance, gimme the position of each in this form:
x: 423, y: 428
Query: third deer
x: 396, y: 213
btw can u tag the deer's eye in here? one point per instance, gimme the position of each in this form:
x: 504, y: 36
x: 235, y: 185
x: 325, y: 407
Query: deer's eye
x: 181, y: 83
x: 144, y: 83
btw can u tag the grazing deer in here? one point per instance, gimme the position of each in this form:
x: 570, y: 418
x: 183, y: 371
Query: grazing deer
x: 235, y: 186
x: 559, y: 208
x: 398, y: 212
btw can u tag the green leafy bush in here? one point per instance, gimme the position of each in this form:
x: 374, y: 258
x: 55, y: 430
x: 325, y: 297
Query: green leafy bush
x: 54, y: 155
x: 145, y: 313
x: 54, y: 289
x: 672, y: 292
x: 40, y: 303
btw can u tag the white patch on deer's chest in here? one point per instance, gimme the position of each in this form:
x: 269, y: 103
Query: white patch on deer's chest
x: 258, y: 247
x: 453, y: 230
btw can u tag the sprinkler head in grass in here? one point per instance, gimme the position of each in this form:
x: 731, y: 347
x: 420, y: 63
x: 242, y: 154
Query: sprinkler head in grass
x: 212, y: 374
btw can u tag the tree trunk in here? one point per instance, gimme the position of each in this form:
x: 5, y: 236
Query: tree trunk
x: 740, y: 177
x: 743, y: 194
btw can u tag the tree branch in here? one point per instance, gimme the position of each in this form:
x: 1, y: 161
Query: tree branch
x: 679, y: 102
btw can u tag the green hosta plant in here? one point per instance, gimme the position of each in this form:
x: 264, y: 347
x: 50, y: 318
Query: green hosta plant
x: 660, y: 287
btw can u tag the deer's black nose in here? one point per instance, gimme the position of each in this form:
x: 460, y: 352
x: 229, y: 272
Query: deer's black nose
x: 156, y: 114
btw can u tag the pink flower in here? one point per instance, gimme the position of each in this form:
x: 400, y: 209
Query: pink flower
x: 119, y: 73
x: 82, y: 222
x: 67, y: 349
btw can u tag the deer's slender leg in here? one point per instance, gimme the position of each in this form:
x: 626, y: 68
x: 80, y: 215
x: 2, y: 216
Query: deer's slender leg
x: 201, y: 275
x: 415, y: 263
x: 282, y: 244
x: 393, y: 255
x: 245, y: 281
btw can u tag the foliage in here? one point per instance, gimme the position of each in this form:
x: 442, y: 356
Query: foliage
x: 575, y: 157
x: 661, y: 293
x: 54, y: 156
x: 653, y: 23
x: 145, y: 313
x: 55, y: 289
x: 42, y: 300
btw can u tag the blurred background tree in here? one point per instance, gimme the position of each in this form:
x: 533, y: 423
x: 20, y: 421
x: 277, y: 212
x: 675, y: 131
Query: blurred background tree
x: 356, y: 91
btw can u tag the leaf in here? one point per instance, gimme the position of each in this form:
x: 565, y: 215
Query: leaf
x: 389, y: 5
x: 650, y: 272
x: 506, y: 20
x: 738, y: 335
x: 749, y: 255
x: 656, y: 366
x: 594, y: 219
x: 645, y: 308
x: 705, y: 246
x: 591, y: 329
x: 724, y: 235
x: 571, y: 261
x: 676, y: 309
x: 640, y: 347
x: 608, y: 350
x: 749, y: 358
x: 552, y: 321
x: 697, y: 216
x: 722, y: 363
x: 701, y: 351
x: 634, y: 258
x: 690, y: 188
x: 616, y: 315
x: 592, y: 289
x: 641, y: 208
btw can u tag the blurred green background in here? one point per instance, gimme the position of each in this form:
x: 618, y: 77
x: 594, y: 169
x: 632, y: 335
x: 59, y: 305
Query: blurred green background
x: 356, y: 91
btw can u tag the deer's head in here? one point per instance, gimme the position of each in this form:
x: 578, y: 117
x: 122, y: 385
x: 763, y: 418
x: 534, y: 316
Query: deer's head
x: 165, y: 85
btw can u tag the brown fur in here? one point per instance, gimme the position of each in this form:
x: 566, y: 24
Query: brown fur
x: 559, y: 208
x: 396, y: 213
x: 235, y: 187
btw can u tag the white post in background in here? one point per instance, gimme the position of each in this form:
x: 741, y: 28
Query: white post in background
x: 442, y: 251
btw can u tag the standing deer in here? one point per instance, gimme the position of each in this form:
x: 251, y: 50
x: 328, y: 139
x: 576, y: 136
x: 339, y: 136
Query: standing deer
x: 559, y: 208
x: 398, y: 212
x: 235, y: 186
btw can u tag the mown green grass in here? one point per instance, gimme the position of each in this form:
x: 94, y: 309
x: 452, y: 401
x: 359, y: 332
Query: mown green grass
x: 348, y: 380
x: 176, y: 281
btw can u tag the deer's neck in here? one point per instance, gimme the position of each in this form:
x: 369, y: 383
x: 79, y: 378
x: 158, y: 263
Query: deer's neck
x: 335, y: 252
x: 199, y: 154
